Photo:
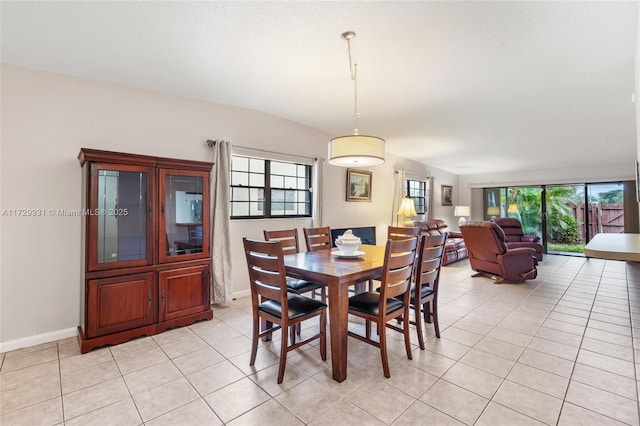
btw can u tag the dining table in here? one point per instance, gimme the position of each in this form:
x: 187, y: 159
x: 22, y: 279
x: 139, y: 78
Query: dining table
x: 338, y: 272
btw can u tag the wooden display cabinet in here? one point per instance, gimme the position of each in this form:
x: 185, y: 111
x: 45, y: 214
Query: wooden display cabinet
x: 146, y: 249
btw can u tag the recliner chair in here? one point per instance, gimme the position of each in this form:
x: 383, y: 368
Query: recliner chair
x: 489, y: 254
x: 515, y: 235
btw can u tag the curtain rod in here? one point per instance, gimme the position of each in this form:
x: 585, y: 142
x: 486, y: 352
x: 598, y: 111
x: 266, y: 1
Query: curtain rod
x: 213, y: 142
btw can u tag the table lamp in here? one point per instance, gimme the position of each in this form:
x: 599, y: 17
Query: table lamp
x: 493, y: 211
x: 462, y: 212
x: 407, y: 211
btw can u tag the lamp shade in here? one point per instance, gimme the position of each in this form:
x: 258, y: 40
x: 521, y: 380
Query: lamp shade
x: 462, y: 211
x: 513, y: 208
x: 407, y: 208
x: 493, y: 211
x: 356, y: 150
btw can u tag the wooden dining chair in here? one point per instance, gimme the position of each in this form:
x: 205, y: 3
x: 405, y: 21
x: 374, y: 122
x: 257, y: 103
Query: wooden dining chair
x: 397, y: 233
x: 289, y: 240
x: 424, y: 292
x: 317, y: 238
x: 401, y: 232
x: 272, y: 302
x: 392, y: 301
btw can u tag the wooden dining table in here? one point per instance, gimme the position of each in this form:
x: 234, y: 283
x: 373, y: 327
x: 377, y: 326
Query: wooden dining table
x: 339, y: 273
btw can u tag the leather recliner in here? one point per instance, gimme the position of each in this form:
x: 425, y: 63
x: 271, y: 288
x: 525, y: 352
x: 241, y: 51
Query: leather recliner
x: 515, y: 235
x: 489, y: 254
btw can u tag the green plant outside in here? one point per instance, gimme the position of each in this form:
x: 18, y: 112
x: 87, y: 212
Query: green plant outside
x: 566, y: 248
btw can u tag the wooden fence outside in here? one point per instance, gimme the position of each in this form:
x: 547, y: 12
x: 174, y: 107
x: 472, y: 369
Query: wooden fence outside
x: 603, y: 218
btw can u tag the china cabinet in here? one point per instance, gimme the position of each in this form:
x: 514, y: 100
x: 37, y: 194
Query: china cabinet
x: 147, y: 265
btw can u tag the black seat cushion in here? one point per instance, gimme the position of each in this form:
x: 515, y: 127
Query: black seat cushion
x: 298, y: 306
x: 301, y: 286
x: 368, y: 303
x: 426, y: 290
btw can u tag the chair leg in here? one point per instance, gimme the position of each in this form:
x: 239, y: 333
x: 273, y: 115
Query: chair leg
x: 266, y: 325
x: 323, y: 294
x: 418, y: 314
x: 292, y: 333
x: 382, y: 331
x: 323, y: 335
x: 254, y: 340
x: 426, y: 309
x: 406, y: 331
x: 283, y: 353
x: 434, y: 313
x: 367, y: 329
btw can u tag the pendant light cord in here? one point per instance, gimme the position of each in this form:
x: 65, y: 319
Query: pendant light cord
x: 353, y: 70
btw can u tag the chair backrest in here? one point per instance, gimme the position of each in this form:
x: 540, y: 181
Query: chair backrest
x: 317, y: 238
x: 401, y: 233
x: 288, y: 238
x: 511, y: 226
x: 267, y: 276
x: 397, y: 269
x: 430, y: 252
x: 484, y: 240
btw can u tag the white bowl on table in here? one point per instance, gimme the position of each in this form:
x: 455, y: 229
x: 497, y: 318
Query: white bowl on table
x: 348, y: 243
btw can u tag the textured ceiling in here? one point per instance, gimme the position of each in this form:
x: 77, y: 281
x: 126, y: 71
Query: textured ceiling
x: 467, y: 87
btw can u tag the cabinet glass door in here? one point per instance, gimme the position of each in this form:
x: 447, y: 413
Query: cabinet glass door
x: 118, y: 216
x: 184, y: 215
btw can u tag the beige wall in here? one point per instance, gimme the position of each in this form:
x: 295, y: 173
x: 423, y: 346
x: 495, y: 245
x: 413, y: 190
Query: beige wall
x: 47, y: 118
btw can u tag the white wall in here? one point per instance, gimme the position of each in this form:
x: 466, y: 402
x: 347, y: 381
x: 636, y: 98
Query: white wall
x: 47, y: 118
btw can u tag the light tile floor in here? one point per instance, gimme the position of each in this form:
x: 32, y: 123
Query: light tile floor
x: 558, y: 350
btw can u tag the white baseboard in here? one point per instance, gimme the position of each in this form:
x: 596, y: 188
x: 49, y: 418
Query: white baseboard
x: 241, y: 293
x: 52, y: 336
x: 38, y: 339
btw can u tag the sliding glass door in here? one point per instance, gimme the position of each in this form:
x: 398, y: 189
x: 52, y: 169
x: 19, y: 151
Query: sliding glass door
x: 565, y: 217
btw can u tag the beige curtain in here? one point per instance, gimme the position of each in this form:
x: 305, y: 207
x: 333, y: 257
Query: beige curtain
x: 317, y: 192
x: 398, y: 195
x: 221, y: 283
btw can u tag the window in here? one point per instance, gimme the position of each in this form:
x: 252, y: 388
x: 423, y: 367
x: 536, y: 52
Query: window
x: 417, y: 189
x: 262, y: 188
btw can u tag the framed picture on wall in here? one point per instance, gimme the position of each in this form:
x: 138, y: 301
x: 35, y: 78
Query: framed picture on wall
x: 447, y: 195
x: 637, y: 181
x: 358, y: 185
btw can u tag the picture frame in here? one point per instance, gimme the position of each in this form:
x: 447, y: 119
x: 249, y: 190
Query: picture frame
x: 446, y: 192
x: 358, y: 185
x: 637, y: 181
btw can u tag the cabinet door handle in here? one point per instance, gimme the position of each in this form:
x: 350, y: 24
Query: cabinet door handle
x: 149, y: 298
x: 163, y: 296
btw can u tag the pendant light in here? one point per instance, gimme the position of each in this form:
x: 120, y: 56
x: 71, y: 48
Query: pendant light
x: 356, y: 149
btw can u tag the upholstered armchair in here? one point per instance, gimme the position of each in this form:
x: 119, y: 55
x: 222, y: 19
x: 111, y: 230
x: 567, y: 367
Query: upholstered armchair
x: 515, y: 235
x: 489, y: 254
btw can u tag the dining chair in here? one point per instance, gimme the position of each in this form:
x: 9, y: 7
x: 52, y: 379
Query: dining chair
x: 272, y: 302
x: 317, y: 238
x: 401, y: 232
x: 398, y: 233
x: 424, y: 292
x: 392, y: 301
x: 290, y: 245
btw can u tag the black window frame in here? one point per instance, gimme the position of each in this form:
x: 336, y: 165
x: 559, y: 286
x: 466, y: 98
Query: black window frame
x: 416, y: 189
x: 268, y: 189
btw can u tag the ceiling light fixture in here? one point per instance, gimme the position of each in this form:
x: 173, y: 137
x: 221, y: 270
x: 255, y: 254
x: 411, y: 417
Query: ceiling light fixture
x: 356, y: 149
